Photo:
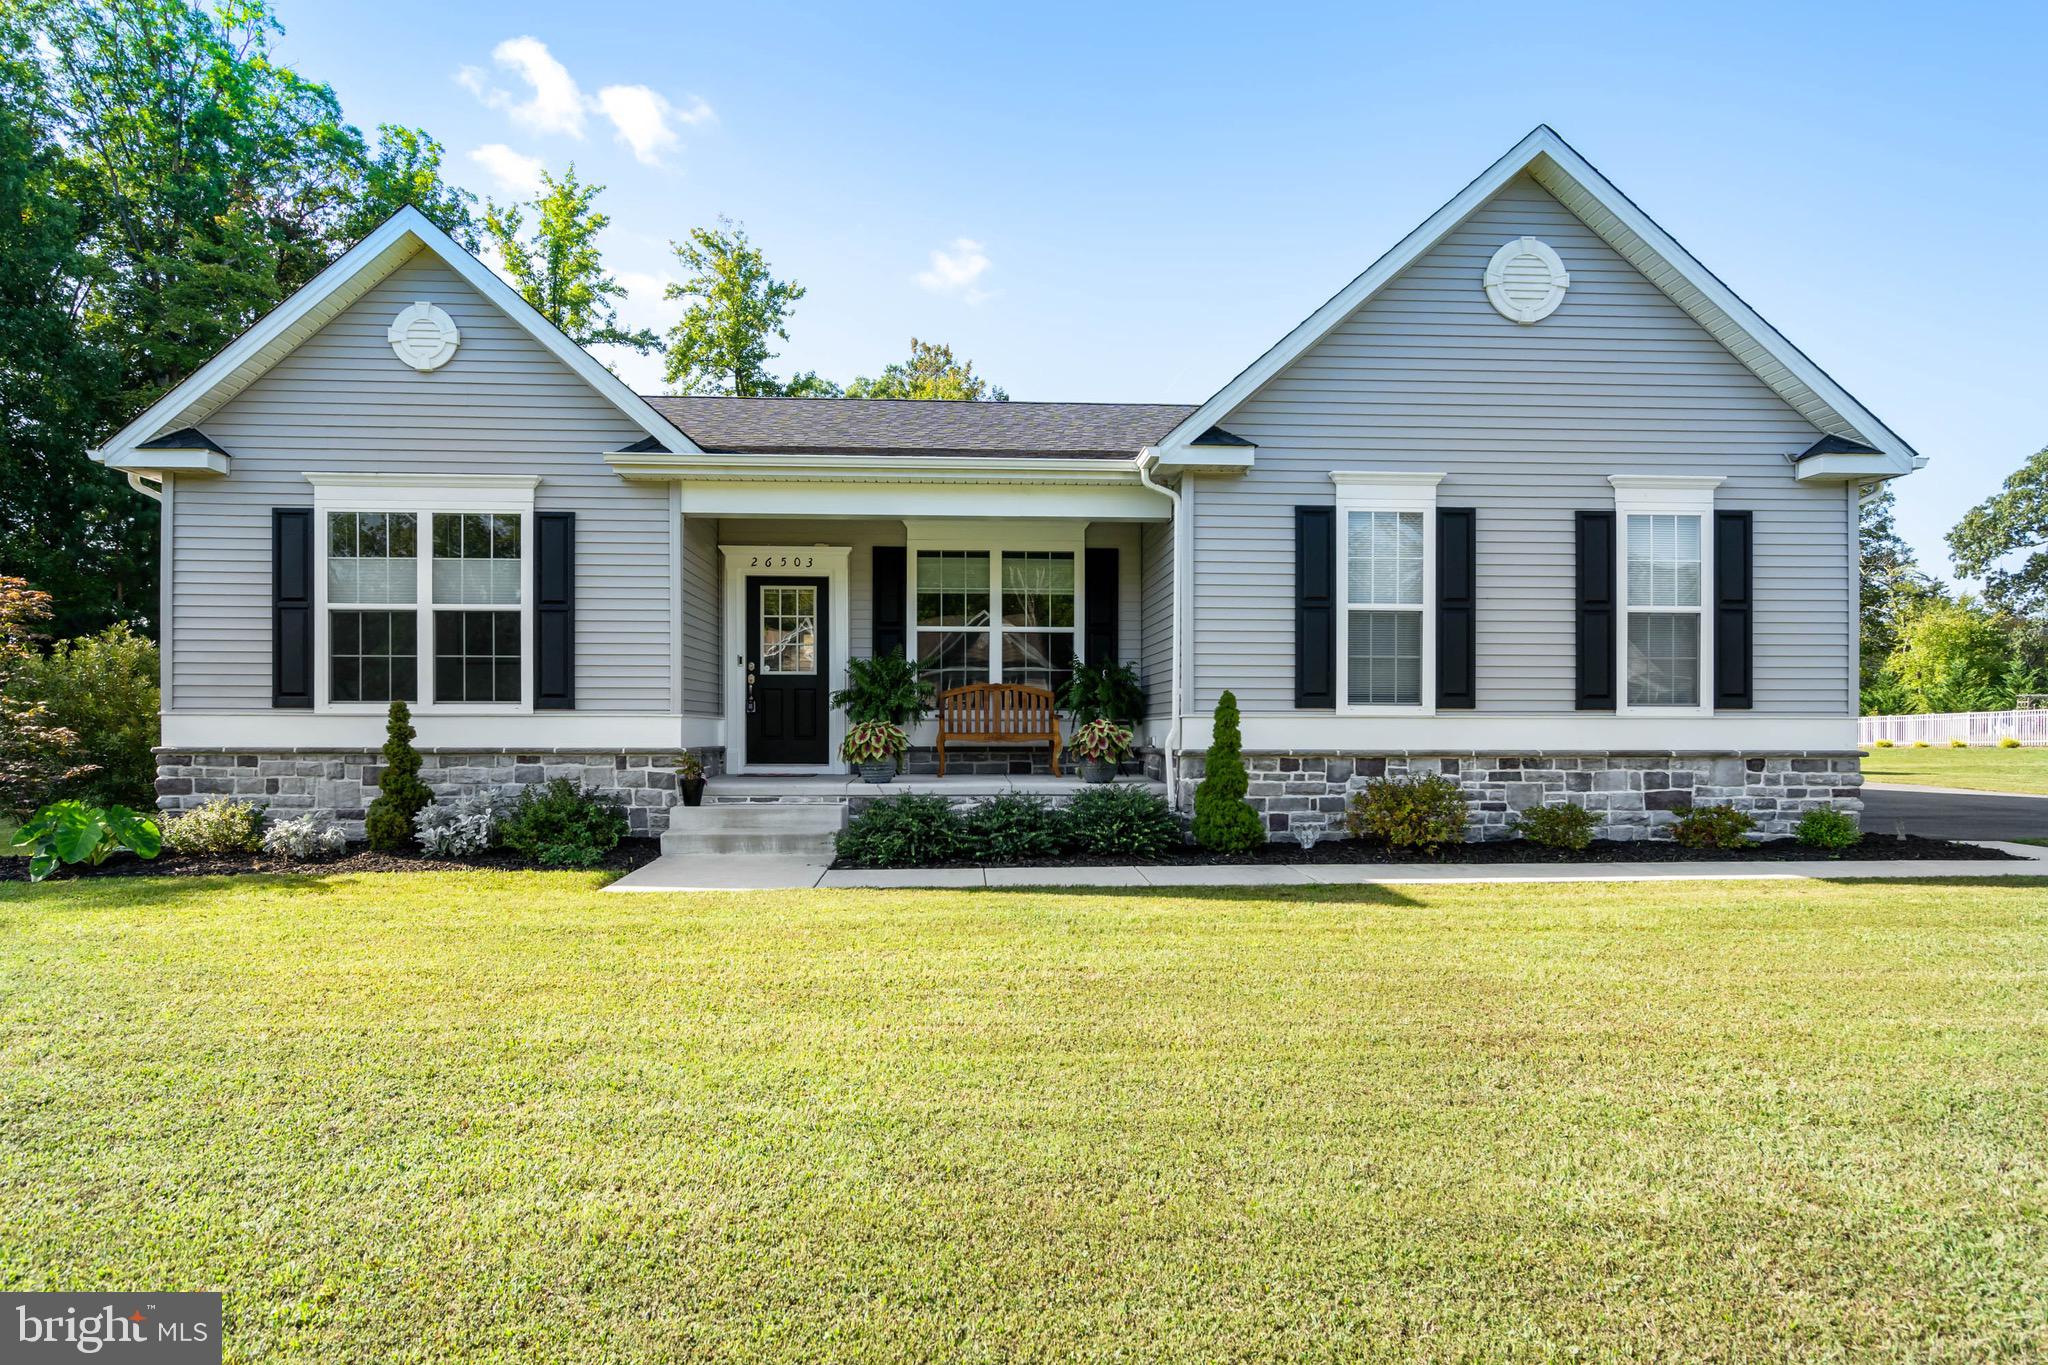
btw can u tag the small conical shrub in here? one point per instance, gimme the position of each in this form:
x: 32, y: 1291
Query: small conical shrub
x: 1224, y: 820
x: 390, y: 822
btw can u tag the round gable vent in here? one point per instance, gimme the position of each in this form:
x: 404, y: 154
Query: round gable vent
x: 1526, y: 281
x: 423, y: 336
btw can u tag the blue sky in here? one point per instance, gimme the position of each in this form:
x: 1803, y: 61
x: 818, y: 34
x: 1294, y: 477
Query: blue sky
x: 1131, y: 202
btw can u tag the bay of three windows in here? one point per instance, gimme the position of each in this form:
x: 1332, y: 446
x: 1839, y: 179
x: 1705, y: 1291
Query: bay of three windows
x: 474, y: 596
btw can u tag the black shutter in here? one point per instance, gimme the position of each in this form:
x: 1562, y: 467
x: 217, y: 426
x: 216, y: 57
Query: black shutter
x: 554, y: 611
x: 1457, y: 616
x: 1596, y: 610
x: 291, y: 607
x: 1098, y: 646
x: 1315, y: 607
x: 1733, y: 611
x: 890, y: 587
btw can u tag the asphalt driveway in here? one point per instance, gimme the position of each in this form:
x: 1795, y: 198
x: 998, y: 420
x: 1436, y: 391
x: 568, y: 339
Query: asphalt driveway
x: 1889, y: 809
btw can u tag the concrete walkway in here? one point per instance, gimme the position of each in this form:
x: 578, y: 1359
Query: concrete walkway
x: 1953, y: 813
x: 773, y: 874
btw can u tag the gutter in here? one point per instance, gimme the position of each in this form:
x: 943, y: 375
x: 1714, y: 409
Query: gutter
x: 1148, y: 460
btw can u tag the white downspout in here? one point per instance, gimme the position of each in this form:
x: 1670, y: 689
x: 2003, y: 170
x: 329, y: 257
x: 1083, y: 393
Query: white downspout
x: 1147, y: 459
x: 135, y: 481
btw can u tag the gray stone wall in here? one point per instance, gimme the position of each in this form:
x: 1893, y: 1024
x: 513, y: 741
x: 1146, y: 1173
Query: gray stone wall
x: 342, y: 783
x: 1636, y: 794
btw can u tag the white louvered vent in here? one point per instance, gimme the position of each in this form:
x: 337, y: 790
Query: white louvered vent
x: 423, y: 336
x: 1525, y: 281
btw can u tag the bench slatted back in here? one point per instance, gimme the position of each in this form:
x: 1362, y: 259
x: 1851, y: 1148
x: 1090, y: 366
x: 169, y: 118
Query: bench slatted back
x: 998, y: 712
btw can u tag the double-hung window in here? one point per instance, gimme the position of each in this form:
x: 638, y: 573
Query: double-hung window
x: 995, y: 616
x: 424, y: 590
x: 1386, y: 582
x: 1666, y: 558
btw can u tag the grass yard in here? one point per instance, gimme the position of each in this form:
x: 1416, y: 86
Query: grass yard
x: 1985, y: 768
x: 502, y: 1117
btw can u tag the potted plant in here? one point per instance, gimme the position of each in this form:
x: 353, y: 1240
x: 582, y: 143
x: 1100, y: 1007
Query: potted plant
x: 1108, y: 691
x: 890, y: 688
x: 1100, y: 745
x: 874, y: 747
x: 689, y: 770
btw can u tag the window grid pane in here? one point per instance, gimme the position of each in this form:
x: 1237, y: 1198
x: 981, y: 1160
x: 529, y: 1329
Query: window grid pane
x: 372, y: 558
x: 476, y: 558
x: 789, y: 630
x: 1383, y: 663
x: 1663, y: 658
x: 1663, y: 560
x: 953, y: 658
x: 373, y: 656
x: 1384, y: 555
x: 476, y: 656
x: 952, y: 588
x: 1038, y: 658
x: 1038, y: 590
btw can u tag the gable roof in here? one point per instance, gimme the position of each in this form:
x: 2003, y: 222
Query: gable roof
x: 901, y: 426
x: 1589, y: 195
x: 397, y: 240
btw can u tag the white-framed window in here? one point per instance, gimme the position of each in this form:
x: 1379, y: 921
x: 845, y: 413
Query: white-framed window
x: 1386, y: 591
x: 423, y: 592
x: 1664, y: 554
x: 996, y: 606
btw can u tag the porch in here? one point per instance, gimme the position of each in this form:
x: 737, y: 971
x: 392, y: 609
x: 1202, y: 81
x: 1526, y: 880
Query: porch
x: 844, y: 788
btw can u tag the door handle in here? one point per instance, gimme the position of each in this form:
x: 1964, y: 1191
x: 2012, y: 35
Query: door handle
x: 750, y: 688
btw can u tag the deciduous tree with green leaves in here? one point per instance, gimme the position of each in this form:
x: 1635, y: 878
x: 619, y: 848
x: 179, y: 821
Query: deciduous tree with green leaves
x: 2011, y: 522
x: 558, y: 269
x: 932, y: 372
x: 1894, y: 586
x: 736, y: 306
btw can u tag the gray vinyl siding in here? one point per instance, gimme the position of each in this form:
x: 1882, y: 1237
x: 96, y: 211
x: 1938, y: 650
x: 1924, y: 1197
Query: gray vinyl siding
x: 1155, y: 616
x: 860, y: 535
x: 343, y: 402
x: 703, y: 645
x: 1527, y: 422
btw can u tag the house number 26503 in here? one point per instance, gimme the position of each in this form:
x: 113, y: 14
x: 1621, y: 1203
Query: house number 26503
x: 782, y: 562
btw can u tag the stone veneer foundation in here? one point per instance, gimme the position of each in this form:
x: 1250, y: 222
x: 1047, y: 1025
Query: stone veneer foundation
x: 1636, y: 794
x: 342, y: 783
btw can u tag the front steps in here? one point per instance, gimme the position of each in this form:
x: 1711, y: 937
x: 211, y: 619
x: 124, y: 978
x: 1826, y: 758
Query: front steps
x: 801, y: 831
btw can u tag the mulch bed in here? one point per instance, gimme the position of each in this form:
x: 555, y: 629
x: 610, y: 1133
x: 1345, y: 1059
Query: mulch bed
x: 1875, y: 848
x: 630, y: 853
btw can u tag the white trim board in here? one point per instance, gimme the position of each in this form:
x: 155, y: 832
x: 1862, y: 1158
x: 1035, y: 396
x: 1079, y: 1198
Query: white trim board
x: 1591, y: 197
x: 501, y: 733
x: 741, y: 562
x: 394, y: 242
x: 1572, y: 733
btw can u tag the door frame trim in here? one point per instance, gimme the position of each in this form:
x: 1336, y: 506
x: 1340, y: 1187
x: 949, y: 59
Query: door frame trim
x: 742, y: 562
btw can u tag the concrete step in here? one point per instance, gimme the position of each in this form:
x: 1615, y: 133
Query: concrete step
x: 759, y: 828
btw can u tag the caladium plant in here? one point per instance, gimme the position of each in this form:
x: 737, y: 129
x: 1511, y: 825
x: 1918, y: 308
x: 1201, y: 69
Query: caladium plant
x: 73, y: 832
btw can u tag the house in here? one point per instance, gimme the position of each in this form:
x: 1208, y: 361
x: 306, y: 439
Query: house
x: 1536, y: 501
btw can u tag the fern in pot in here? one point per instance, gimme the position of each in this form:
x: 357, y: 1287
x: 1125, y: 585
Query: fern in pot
x: 1100, y: 745
x: 889, y: 689
x: 874, y: 748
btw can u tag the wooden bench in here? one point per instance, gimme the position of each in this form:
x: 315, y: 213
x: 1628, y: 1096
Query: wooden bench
x: 999, y: 713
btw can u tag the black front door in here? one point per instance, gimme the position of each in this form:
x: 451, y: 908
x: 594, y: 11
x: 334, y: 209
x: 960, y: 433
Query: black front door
x: 788, y: 667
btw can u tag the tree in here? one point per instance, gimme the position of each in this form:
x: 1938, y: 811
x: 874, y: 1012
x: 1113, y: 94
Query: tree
x: 401, y: 793
x: 103, y: 689
x: 735, y: 306
x: 1955, y: 656
x: 36, y: 754
x: 406, y: 170
x: 1894, y: 587
x: 2010, y: 522
x: 931, y: 372
x: 1224, y: 820
x: 559, y: 270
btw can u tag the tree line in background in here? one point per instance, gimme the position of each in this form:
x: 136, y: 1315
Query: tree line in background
x: 1927, y: 649
x: 166, y: 180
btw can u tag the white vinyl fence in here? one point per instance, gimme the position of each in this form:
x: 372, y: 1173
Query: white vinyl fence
x: 1973, y: 727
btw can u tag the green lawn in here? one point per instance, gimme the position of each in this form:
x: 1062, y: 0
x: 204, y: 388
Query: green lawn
x: 428, y: 1118
x: 1987, y: 768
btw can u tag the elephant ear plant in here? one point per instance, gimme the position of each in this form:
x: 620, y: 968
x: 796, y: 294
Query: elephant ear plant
x: 73, y: 832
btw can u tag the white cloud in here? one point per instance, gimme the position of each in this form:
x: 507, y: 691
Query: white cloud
x: 643, y: 117
x: 958, y: 271
x: 514, y: 172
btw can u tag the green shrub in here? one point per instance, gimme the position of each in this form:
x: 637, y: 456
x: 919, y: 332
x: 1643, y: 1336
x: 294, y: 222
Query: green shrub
x: 2008, y: 743
x: 1959, y: 744
x: 404, y: 796
x: 1016, y: 828
x: 1121, y: 822
x: 103, y: 689
x: 1567, y: 827
x: 888, y: 688
x: 1824, y: 828
x: 220, y: 828
x: 1921, y: 744
x: 1224, y: 821
x: 1712, y: 827
x: 1880, y: 744
x: 37, y: 755
x: 73, y: 832
x: 1409, y: 812
x: 563, y: 825
x: 904, y: 831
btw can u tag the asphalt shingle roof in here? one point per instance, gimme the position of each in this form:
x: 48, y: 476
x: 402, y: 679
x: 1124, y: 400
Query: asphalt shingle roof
x: 908, y: 427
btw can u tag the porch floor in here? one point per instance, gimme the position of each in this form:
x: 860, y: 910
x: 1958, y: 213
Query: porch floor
x: 839, y: 786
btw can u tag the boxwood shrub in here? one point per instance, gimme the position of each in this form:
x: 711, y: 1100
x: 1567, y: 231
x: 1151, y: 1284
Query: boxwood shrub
x: 1121, y: 822
x: 904, y: 831
x: 1016, y: 828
